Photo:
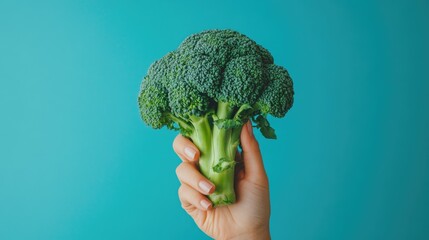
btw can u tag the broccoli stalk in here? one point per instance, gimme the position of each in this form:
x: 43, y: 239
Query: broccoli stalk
x: 218, y: 145
x: 208, y: 89
x: 218, y: 151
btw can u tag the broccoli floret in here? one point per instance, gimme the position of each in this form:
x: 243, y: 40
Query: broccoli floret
x: 208, y: 89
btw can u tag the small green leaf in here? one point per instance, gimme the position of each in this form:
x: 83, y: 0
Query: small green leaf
x: 185, y: 133
x: 261, y: 121
x: 269, y: 132
x: 244, y: 113
x: 171, y: 126
x: 264, y: 126
x: 227, y: 123
x: 223, y: 164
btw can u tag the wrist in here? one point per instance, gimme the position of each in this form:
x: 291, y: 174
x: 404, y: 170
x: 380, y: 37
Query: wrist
x: 262, y: 234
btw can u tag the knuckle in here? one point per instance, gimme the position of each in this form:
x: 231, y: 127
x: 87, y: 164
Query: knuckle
x: 267, y: 181
x: 264, y: 182
x: 183, y: 197
x: 180, y: 191
x: 179, y: 169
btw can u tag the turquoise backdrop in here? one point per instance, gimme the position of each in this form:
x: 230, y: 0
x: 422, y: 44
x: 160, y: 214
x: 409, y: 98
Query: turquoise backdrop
x: 76, y: 162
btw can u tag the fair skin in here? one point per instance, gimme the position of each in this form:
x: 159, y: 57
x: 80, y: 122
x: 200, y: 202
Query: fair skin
x: 248, y: 218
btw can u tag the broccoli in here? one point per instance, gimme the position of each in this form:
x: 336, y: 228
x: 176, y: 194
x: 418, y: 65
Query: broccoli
x: 208, y: 88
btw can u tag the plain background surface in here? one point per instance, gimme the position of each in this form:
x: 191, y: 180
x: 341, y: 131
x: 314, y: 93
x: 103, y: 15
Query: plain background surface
x: 76, y: 162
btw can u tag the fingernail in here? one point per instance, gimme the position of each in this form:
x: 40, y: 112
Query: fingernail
x: 250, y: 128
x: 205, y: 186
x: 205, y: 204
x: 190, y: 153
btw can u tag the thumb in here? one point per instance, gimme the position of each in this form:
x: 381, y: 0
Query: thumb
x: 253, y: 166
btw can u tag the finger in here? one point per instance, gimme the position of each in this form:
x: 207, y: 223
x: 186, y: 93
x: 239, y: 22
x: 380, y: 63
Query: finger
x: 188, y: 174
x: 190, y: 197
x: 186, y: 150
x: 253, y: 165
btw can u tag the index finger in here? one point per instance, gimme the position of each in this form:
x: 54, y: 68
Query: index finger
x: 186, y: 150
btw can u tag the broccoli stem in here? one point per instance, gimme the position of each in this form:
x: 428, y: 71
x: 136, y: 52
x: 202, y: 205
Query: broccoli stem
x: 218, y: 148
x: 223, y: 157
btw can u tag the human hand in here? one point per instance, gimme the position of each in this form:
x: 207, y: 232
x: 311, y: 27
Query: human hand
x: 248, y: 218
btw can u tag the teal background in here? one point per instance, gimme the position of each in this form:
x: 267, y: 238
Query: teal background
x: 76, y: 162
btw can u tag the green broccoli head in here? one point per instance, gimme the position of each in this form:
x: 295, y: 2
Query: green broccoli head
x: 207, y: 88
x: 153, y: 99
x: 211, y: 67
x: 277, y: 97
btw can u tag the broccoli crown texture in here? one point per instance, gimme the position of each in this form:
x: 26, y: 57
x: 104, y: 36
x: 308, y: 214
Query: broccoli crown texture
x: 210, y: 67
x: 207, y: 88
